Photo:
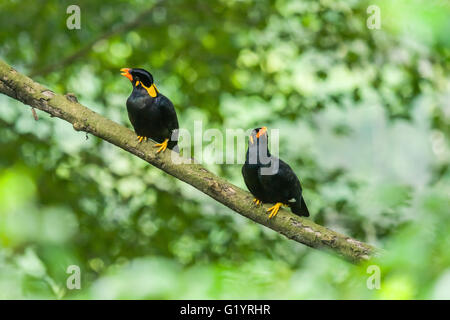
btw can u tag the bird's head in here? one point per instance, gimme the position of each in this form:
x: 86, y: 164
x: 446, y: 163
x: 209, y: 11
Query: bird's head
x: 140, y: 78
x: 257, y: 134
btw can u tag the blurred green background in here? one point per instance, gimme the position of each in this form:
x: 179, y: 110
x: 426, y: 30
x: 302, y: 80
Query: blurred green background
x: 363, y: 117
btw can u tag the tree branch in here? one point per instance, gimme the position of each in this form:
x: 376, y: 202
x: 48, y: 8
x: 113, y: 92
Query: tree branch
x: 302, y: 230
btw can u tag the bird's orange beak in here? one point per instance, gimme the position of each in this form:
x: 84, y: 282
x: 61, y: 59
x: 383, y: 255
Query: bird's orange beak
x: 261, y: 131
x: 126, y: 73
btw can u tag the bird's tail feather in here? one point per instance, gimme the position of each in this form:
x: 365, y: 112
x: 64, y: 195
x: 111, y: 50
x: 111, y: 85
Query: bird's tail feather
x: 300, y: 208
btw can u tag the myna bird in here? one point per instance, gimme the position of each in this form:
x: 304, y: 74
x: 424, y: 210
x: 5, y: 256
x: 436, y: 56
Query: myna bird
x: 270, y: 183
x: 151, y: 113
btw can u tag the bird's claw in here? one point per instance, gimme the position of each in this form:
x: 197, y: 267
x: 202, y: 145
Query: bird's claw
x: 162, y: 146
x: 274, y: 209
x: 257, y: 201
x: 141, y: 138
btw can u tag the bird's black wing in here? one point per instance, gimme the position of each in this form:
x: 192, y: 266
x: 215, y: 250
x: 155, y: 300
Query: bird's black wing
x: 170, y: 119
x: 169, y: 113
x: 282, y: 183
x: 284, y: 186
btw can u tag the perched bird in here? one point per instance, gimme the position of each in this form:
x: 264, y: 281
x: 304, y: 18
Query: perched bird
x: 268, y: 182
x: 151, y: 113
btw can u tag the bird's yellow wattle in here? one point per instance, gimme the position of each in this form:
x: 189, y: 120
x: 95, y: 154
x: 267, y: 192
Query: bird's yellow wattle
x: 152, y: 91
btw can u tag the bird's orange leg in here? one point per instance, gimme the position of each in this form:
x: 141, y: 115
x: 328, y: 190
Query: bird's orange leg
x: 162, y: 146
x: 257, y: 201
x: 141, y: 138
x: 274, y: 209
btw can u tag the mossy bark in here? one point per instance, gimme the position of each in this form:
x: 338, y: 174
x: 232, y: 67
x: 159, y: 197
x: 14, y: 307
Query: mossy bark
x: 302, y: 230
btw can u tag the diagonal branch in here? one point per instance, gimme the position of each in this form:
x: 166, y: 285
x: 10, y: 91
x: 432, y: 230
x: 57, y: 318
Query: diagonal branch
x: 302, y: 230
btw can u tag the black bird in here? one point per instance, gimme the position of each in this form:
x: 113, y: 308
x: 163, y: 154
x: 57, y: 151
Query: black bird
x: 268, y: 182
x: 151, y: 113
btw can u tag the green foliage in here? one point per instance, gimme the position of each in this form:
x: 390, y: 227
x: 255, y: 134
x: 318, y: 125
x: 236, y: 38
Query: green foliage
x: 363, y: 118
